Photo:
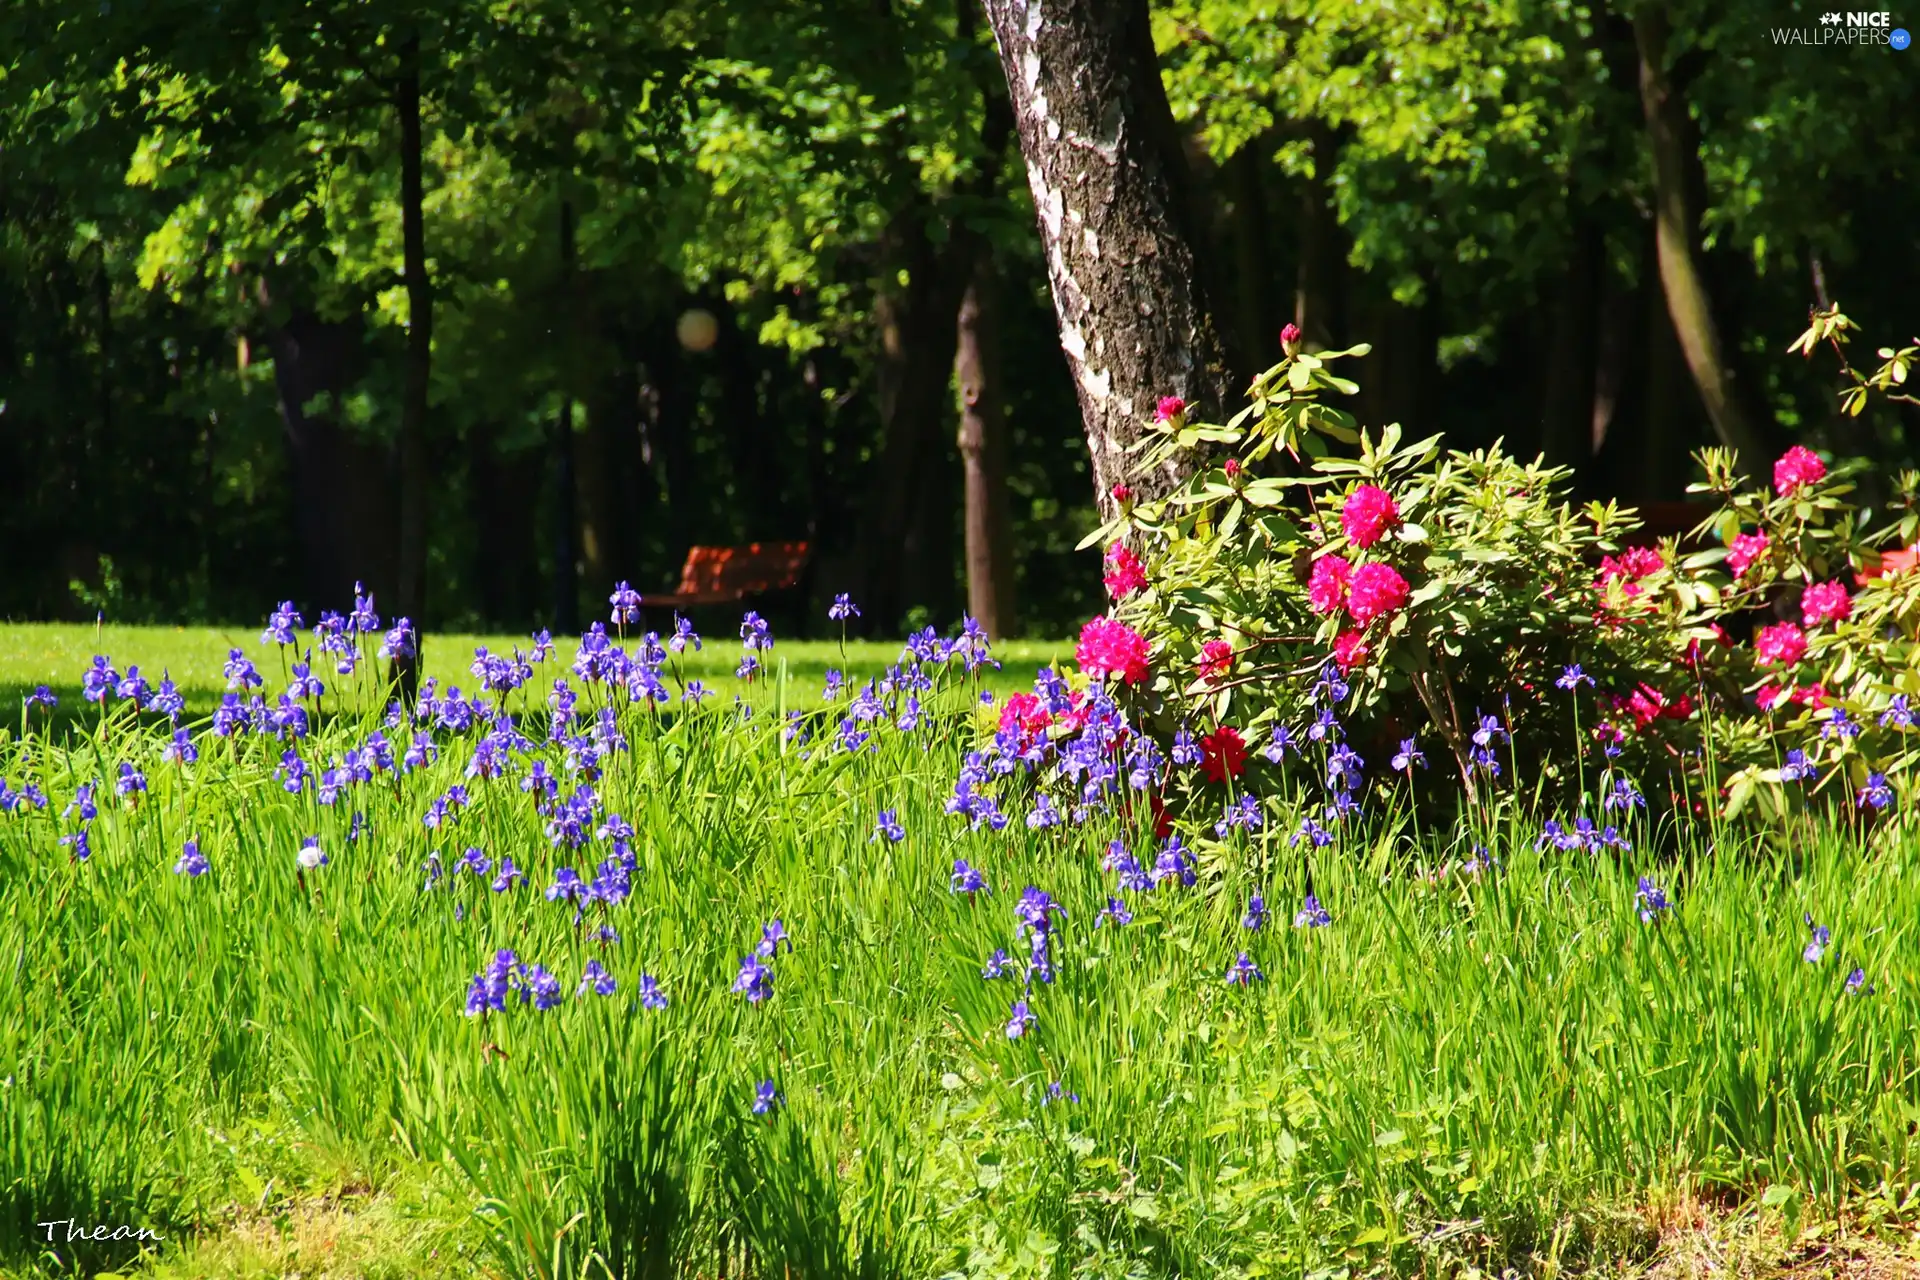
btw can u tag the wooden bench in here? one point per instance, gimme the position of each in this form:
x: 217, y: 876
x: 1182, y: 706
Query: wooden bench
x: 718, y: 575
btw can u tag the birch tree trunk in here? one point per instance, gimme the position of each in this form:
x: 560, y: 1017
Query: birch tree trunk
x: 1114, y: 202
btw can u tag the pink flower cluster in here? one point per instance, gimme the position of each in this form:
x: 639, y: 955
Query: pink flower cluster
x: 1744, y: 550
x: 1125, y: 574
x: 1216, y: 658
x: 1367, y: 591
x: 1378, y: 590
x: 1109, y: 648
x: 1797, y: 468
x: 1368, y: 515
x: 1169, y: 408
x: 1350, y: 650
x: 1825, y: 602
x: 1780, y: 644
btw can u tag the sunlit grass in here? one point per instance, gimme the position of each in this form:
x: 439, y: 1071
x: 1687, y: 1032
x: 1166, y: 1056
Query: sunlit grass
x: 1461, y: 1067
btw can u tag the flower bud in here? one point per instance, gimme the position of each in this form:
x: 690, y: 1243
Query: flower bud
x: 1290, y: 339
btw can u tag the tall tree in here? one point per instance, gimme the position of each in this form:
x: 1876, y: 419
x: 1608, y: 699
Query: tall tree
x: 1679, y: 191
x: 983, y: 453
x: 1113, y: 198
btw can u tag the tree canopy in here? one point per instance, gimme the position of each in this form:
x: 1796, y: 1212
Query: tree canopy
x: 399, y: 291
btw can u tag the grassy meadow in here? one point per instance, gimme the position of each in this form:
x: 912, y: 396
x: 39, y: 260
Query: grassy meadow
x: 1489, y: 1054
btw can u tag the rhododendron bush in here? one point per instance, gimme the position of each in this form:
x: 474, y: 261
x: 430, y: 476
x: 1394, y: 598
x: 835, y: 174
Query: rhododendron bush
x: 1464, y: 601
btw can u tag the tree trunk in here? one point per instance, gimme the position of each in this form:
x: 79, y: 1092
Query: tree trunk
x: 1319, y: 284
x: 1567, y: 398
x: 419, y: 367
x: 983, y: 454
x: 911, y: 371
x: 1111, y: 191
x: 1255, y: 298
x: 566, y: 497
x: 1673, y: 138
x: 343, y: 517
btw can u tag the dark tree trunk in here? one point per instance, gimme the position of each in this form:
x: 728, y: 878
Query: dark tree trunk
x: 566, y: 552
x: 1567, y: 398
x: 1396, y: 381
x: 754, y: 443
x: 669, y: 431
x: 983, y: 454
x: 1256, y: 297
x: 1113, y: 199
x: 1320, y: 282
x: 1617, y: 355
x: 1738, y: 419
x: 419, y: 367
x: 1666, y: 414
x: 343, y: 521
x: 913, y: 365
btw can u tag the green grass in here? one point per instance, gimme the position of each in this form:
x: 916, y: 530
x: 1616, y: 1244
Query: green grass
x: 55, y: 654
x: 1461, y: 1070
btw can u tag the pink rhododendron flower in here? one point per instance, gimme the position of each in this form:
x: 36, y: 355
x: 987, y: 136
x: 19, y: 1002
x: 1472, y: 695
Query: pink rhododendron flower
x: 1289, y: 337
x: 1781, y: 643
x: 1125, y: 574
x: 1231, y: 466
x: 1825, y: 602
x: 1169, y: 408
x: 1350, y: 650
x: 1112, y: 648
x: 1024, y: 711
x: 1744, y: 550
x: 1368, y: 514
x: 1327, y: 588
x: 1377, y: 591
x: 1647, y: 704
x: 1223, y: 754
x: 1121, y: 493
x: 1216, y: 658
x: 1797, y: 468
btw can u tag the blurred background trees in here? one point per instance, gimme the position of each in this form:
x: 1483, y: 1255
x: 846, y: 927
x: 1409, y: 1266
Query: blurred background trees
x: 492, y: 305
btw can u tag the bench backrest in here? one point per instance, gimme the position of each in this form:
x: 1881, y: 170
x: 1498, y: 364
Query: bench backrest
x: 756, y: 567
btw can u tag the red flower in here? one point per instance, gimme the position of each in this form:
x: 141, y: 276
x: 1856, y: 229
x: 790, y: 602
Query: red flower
x: 1223, y: 754
x: 1216, y: 658
x: 1893, y: 563
x: 1350, y: 650
x: 1377, y: 591
x: 1368, y: 514
x: 1112, y: 648
x: 1647, y: 704
x: 1231, y: 466
x: 1825, y: 602
x: 1797, y: 468
x: 1125, y: 574
x: 1290, y: 338
x: 1121, y: 493
x: 1327, y: 588
x: 1780, y: 643
x: 1169, y: 408
x: 1744, y: 550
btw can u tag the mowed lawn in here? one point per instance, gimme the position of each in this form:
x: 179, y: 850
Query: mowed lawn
x: 55, y: 655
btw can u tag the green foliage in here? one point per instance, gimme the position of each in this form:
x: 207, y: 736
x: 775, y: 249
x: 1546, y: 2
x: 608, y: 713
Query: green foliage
x: 1507, y: 584
x: 1515, y: 1050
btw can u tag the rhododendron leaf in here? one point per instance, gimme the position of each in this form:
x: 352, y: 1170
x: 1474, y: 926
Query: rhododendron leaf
x: 1411, y: 532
